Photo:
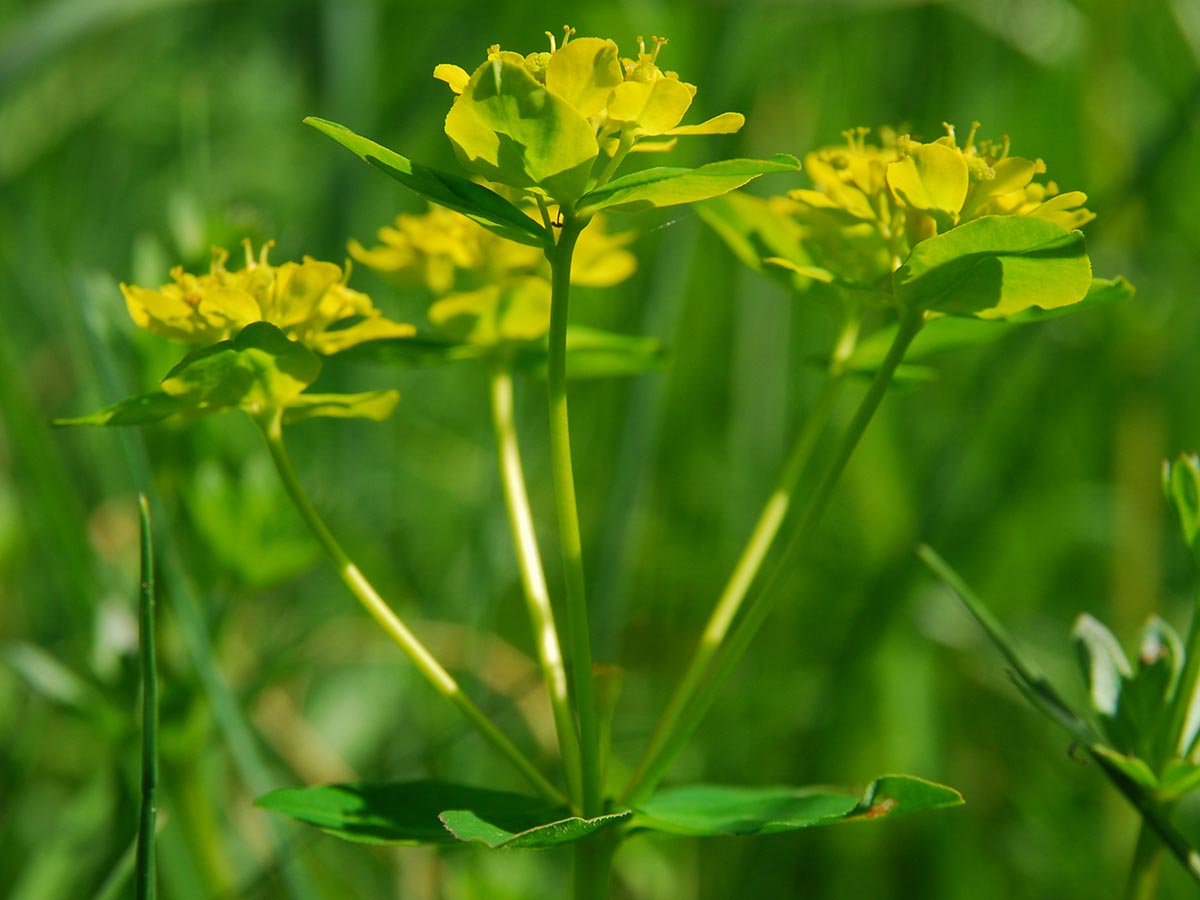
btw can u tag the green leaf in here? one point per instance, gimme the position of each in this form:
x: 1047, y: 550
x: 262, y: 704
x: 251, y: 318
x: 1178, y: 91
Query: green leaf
x: 145, y: 409
x: 433, y: 812
x: 454, y: 192
x: 667, y: 186
x: 1103, y: 662
x: 1135, y: 769
x: 947, y: 333
x: 1181, y: 484
x: 1026, y: 674
x: 756, y: 232
x: 1179, y: 778
x: 508, y: 128
x: 260, y: 371
x: 374, y: 405
x: 994, y: 267
x: 472, y: 827
x: 704, y: 810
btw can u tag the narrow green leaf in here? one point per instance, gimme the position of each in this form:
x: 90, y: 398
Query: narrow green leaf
x: 433, y: 812
x: 374, y: 405
x: 1026, y: 674
x: 145, y: 409
x: 994, y: 267
x: 704, y: 810
x: 454, y: 192
x: 669, y: 186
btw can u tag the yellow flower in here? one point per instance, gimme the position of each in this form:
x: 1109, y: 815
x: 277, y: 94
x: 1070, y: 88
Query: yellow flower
x: 501, y: 287
x: 304, y: 299
x: 872, y: 203
x: 556, y: 122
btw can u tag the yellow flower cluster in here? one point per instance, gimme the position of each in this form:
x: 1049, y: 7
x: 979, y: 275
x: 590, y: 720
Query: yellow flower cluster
x: 585, y: 95
x: 487, y: 289
x: 872, y: 203
x: 305, y: 300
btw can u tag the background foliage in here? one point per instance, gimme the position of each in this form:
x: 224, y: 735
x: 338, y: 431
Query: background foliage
x: 137, y: 133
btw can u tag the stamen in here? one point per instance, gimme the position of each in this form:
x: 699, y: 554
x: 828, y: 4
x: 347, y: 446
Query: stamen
x: 568, y: 33
x: 249, y: 248
x: 553, y: 44
x: 219, y: 256
x: 641, y: 46
x: 971, y: 136
x: 949, y: 131
x: 659, y: 43
x: 266, y: 248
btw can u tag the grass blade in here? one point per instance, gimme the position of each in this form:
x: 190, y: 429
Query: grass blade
x: 145, y: 869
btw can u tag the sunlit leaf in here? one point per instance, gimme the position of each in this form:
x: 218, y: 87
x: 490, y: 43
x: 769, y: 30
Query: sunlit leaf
x: 713, y: 810
x: 665, y: 186
x: 994, y: 267
x: 473, y: 200
x: 145, y: 409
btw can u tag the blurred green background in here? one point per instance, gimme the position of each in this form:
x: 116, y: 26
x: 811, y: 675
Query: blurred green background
x: 135, y: 134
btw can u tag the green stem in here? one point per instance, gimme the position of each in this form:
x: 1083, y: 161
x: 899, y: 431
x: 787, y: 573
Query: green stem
x: 425, y: 661
x: 1147, y: 865
x: 533, y: 577
x: 762, y: 538
x: 726, y: 649
x: 146, y: 881
x: 578, y: 640
x: 593, y: 865
x: 624, y: 145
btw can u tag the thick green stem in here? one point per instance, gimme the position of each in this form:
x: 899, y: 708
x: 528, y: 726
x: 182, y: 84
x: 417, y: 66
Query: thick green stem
x: 1147, y: 865
x: 533, y: 577
x: 723, y: 649
x: 593, y: 865
x: 147, y: 884
x: 578, y: 640
x: 762, y: 538
x: 425, y: 661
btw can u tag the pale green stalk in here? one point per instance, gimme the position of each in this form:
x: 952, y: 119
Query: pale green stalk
x: 578, y: 640
x: 533, y: 577
x: 147, y: 882
x: 718, y: 649
x: 425, y: 661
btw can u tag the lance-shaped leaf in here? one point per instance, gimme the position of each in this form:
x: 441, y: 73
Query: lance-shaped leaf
x: 473, y: 200
x: 670, y: 186
x: 145, y: 409
x: 705, y: 810
x: 434, y: 812
x: 994, y: 267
